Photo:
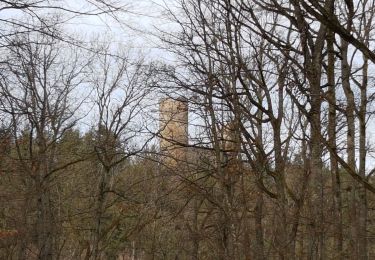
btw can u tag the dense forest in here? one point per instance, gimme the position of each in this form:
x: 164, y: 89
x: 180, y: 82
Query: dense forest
x: 247, y: 133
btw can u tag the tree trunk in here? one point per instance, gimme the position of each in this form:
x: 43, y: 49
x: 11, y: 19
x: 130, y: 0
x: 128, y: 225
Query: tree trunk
x: 336, y: 182
x: 99, y: 215
x: 45, y: 223
x: 362, y: 196
x: 259, y: 239
x: 350, y: 142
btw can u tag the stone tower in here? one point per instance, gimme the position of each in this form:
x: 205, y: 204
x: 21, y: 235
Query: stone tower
x: 232, y: 147
x: 173, y: 130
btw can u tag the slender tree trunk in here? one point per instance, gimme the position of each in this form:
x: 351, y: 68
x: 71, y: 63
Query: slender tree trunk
x: 350, y: 142
x: 45, y: 223
x: 336, y: 182
x: 259, y: 239
x: 282, y: 238
x: 99, y: 215
x: 316, y: 164
x: 363, y: 207
x: 258, y: 211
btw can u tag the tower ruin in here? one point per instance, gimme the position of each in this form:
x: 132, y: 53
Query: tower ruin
x: 173, y: 125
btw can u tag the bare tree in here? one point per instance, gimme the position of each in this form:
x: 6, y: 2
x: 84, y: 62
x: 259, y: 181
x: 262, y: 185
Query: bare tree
x: 120, y: 86
x: 36, y: 90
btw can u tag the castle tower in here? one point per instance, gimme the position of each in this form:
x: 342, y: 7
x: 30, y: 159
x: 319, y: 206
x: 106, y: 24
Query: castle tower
x: 232, y: 146
x: 173, y: 120
x: 231, y: 138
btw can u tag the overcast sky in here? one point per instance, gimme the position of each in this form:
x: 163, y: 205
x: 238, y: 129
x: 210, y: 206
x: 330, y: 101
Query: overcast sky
x: 136, y: 28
